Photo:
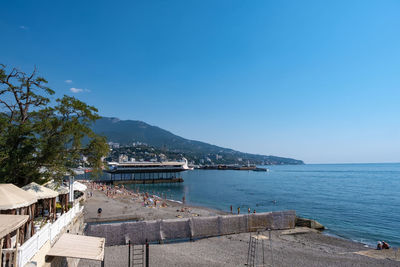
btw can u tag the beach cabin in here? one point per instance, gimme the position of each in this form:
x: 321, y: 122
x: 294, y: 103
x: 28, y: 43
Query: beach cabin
x: 15, y: 201
x: 63, y: 194
x: 11, y: 228
x: 46, y: 201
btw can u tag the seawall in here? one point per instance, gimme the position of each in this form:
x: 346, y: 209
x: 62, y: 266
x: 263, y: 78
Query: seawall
x: 190, y: 228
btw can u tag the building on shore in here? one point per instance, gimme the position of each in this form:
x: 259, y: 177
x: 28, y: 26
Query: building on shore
x: 30, y: 228
x: 146, y: 172
x: 16, y: 201
x: 46, y: 200
x: 11, y: 228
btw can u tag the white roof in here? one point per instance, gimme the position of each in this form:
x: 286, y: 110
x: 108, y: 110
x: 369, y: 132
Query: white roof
x: 13, y: 197
x: 79, y: 186
x: 9, y: 223
x: 147, y: 163
x: 53, y: 185
x: 40, y: 191
x: 79, y: 246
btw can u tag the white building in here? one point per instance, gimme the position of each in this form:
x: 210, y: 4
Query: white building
x: 123, y: 158
x: 113, y: 145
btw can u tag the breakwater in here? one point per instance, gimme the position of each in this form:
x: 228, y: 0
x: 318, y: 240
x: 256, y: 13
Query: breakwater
x: 190, y: 228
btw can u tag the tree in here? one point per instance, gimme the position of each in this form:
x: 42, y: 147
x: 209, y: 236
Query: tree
x: 39, y: 139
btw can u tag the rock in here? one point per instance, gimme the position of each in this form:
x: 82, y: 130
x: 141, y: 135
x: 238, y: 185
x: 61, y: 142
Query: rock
x: 303, y: 222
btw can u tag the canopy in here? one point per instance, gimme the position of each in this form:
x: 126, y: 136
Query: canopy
x: 79, y: 186
x: 13, y: 197
x: 40, y: 191
x: 9, y: 223
x: 53, y: 185
x: 78, y: 246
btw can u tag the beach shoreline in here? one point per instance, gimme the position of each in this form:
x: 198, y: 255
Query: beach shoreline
x: 309, y: 246
x: 173, y: 205
x: 122, y: 204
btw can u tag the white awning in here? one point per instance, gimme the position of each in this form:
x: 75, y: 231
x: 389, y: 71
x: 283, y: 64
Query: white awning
x: 79, y: 186
x: 13, y: 197
x: 9, y: 223
x: 56, y: 186
x: 40, y: 191
x: 79, y: 246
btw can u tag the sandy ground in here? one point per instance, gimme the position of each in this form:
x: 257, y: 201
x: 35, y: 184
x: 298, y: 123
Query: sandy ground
x: 131, y: 207
x: 300, y: 247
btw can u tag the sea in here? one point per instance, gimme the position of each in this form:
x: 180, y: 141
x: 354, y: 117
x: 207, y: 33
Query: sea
x: 359, y: 202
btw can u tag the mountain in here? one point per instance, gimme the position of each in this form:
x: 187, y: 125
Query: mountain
x: 125, y: 132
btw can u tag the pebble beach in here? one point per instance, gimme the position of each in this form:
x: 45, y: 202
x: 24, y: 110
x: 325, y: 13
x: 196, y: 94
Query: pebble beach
x: 297, y: 247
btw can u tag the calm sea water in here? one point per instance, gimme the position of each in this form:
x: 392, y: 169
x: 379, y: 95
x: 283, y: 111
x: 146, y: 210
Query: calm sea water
x: 360, y: 202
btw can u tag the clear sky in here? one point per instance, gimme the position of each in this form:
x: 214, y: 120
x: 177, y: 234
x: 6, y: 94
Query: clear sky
x: 313, y: 80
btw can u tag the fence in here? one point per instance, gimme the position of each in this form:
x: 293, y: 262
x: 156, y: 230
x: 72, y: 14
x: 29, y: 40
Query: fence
x: 189, y: 228
x: 49, y: 232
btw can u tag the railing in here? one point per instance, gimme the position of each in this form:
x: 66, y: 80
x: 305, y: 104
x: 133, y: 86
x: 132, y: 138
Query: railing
x: 49, y: 232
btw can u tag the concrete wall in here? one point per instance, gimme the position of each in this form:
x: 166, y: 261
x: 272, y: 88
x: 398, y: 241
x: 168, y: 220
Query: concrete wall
x: 196, y: 227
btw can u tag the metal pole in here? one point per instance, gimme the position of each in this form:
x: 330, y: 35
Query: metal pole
x: 263, y: 253
x: 129, y: 253
x: 270, y: 246
x: 147, y: 254
x: 255, y: 252
x: 248, y: 251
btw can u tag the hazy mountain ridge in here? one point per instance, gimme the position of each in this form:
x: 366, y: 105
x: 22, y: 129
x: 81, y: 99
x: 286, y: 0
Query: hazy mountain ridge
x: 126, y: 132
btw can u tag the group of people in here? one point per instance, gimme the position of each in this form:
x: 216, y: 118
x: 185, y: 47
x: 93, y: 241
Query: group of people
x: 122, y: 192
x: 111, y: 191
x: 382, y: 245
x: 238, y: 210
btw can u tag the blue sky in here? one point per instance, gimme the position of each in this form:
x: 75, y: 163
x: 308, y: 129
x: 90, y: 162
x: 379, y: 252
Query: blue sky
x: 313, y: 80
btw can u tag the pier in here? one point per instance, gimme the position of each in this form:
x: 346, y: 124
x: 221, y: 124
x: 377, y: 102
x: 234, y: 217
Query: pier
x: 116, y: 178
x: 234, y: 167
x: 144, y: 172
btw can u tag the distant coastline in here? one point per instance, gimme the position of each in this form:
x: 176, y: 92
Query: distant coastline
x: 141, y: 141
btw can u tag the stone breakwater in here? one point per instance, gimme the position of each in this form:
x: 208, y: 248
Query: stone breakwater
x: 190, y: 228
x: 304, y: 222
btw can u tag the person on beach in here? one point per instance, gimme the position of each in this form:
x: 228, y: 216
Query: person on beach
x: 379, y: 246
x: 238, y: 210
x: 385, y: 245
x: 231, y: 210
x: 183, y: 200
x: 254, y: 211
x: 248, y: 210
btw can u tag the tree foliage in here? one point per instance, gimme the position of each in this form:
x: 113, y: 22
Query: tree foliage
x: 40, y: 139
